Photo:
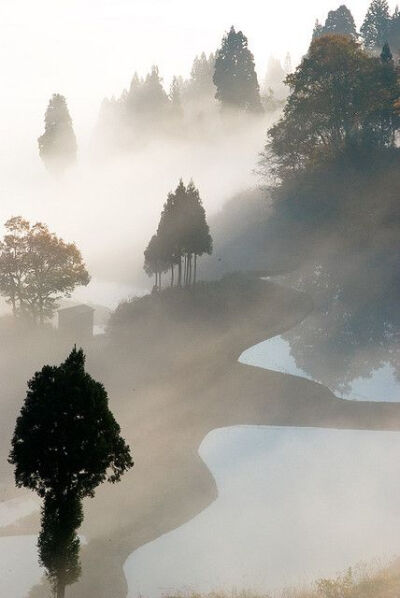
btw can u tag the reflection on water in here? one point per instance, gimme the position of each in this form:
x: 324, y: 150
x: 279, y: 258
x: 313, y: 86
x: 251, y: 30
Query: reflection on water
x: 19, y: 569
x: 379, y: 384
x: 293, y: 504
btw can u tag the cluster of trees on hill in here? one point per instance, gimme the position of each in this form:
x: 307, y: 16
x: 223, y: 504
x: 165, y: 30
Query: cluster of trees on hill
x: 182, y: 236
x: 378, y: 28
x: 227, y: 78
x: 341, y: 97
x: 335, y: 186
x: 37, y: 268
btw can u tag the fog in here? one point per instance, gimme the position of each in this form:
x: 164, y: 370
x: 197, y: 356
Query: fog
x: 254, y: 366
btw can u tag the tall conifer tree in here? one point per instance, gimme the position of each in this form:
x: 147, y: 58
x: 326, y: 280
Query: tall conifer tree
x: 235, y: 76
x: 57, y: 145
x: 375, y: 28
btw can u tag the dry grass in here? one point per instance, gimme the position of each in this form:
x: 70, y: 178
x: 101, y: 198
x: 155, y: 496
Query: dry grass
x: 372, y: 581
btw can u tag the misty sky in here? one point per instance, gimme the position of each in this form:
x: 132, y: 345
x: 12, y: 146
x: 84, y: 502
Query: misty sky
x: 87, y: 49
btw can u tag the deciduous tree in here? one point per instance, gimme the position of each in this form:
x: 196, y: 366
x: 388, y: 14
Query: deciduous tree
x: 37, y: 268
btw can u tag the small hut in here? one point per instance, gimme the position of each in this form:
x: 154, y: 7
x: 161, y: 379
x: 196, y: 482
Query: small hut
x: 76, y: 322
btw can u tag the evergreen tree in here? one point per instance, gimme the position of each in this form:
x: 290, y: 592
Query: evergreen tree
x: 288, y: 64
x: 57, y: 145
x: 66, y: 442
x: 199, y: 240
x: 175, y: 98
x: 386, y: 54
x: 200, y: 85
x: 182, y: 236
x: 376, y: 25
x: 154, y: 99
x: 235, y: 77
x: 394, y: 32
x: 341, y: 22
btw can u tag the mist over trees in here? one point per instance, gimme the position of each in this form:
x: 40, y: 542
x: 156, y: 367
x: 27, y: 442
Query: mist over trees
x: 331, y: 165
x: 235, y: 76
x: 66, y: 442
x: 182, y: 236
x: 57, y: 145
x: 37, y: 269
x: 225, y: 79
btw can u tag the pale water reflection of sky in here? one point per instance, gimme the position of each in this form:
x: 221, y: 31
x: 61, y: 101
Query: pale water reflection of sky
x: 274, y: 354
x: 293, y: 505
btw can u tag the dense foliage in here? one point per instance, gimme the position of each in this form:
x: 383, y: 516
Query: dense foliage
x: 37, y: 269
x: 339, y: 21
x: 340, y: 97
x: 235, y: 77
x: 182, y: 234
x: 66, y: 442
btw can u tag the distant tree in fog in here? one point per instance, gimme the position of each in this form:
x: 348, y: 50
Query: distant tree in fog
x: 37, y: 268
x: 175, y: 98
x: 182, y: 236
x: 57, y: 145
x: 376, y: 25
x: 235, y: 76
x: 66, y: 442
x: 288, y: 64
x: 200, y: 86
x: 147, y: 97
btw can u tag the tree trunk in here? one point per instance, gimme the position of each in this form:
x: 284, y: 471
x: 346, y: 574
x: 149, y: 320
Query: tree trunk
x: 60, y: 591
x: 172, y: 275
x: 195, y: 269
x: 180, y: 271
x: 185, y: 270
x: 190, y: 269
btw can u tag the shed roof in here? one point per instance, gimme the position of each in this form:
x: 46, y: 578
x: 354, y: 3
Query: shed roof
x: 78, y: 309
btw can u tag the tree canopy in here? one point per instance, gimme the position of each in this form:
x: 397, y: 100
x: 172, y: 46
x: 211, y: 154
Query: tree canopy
x: 66, y: 442
x: 235, y: 76
x: 375, y: 28
x: 340, y: 21
x: 340, y: 96
x: 57, y: 145
x: 182, y: 233
x: 37, y: 268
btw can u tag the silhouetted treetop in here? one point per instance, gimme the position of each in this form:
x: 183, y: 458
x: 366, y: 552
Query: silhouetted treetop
x: 235, y: 76
x: 66, y: 442
x: 340, y: 21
